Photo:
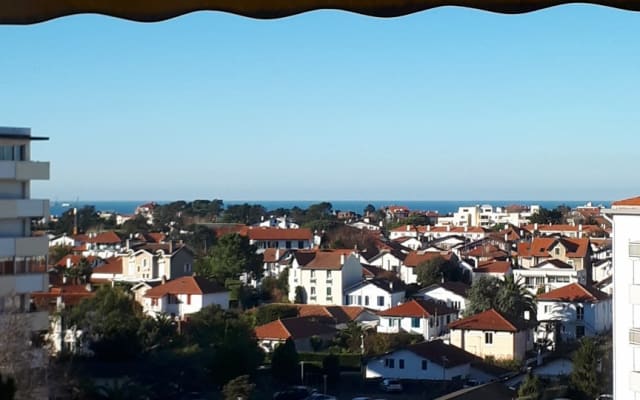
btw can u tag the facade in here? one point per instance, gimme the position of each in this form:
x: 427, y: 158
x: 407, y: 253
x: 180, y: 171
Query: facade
x: 158, y: 260
x: 549, y: 275
x: 298, y: 329
x: 266, y: 237
x: 421, y: 317
x: 579, y: 310
x: 453, y: 294
x: 182, y: 296
x: 573, y: 251
x: 323, y: 275
x: 388, y: 259
x: 431, y: 361
x: 375, y: 294
x: 23, y: 257
x: 413, y: 259
x: 626, y: 298
x: 491, y: 334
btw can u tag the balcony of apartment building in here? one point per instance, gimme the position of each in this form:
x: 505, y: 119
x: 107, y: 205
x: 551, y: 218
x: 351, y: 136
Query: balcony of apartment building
x: 24, y: 170
x: 23, y: 274
x: 24, y: 208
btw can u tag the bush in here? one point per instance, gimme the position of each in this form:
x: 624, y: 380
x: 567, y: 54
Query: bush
x: 346, y: 361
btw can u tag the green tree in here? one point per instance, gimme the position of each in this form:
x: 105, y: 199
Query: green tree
x: 531, y: 388
x: 482, y: 295
x: 431, y: 271
x: 157, y: 332
x: 284, y: 362
x: 244, y: 213
x: 514, y: 299
x: 272, y: 312
x: 300, y: 295
x: 7, y: 388
x: 584, y: 378
x: 369, y: 209
x: 57, y: 253
x: 546, y: 216
x: 239, y: 388
x: 230, y: 257
x: 137, y: 224
x: 112, y: 320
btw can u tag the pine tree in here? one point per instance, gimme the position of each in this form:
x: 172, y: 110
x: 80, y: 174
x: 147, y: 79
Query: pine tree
x: 584, y: 378
x: 531, y: 388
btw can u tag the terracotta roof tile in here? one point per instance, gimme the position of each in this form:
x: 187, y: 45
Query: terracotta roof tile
x: 108, y: 237
x: 573, y: 292
x: 414, y: 258
x: 294, y: 328
x: 113, y: 265
x: 185, y: 285
x: 493, y: 267
x: 490, y: 320
x: 417, y: 309
x: 74, y: 260
x: 322, y: 259
x: 633, y: 201
x: 437, y: 351
x: 268, y: 233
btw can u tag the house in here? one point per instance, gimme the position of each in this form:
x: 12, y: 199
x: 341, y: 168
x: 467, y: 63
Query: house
x: 567, y: 230
x: 73, y: 260
x: 111, y: 270
x: 275, y: 261
x: 183, y: 296
x: 491, y: 334
x: 266, y: 237
x: 549, y: 275
x: 427, y: 361
x: 104, y: 244
x: 376, y: 294
x: 410, y: 242
x: 396, y: 213
x: 580, y: 310
x: 152, y: 261
x: 338, y: 316
x: 364, y: 225
x: 389, y: 259
x: 422, y: 317
x: 601, y: 269
x: 453, y: 294
x: 141, y: 288
x: 58, y: 297
x: 278, y: 222
x: 62, y: 240
x: 323, y: 275
x: 492, y: 268
x: 298, y: 329
x: 573, y: 251
x: 413, y: 259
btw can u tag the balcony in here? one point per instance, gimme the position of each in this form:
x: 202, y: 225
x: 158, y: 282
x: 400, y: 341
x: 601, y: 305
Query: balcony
x: 24, y: 247
x: 634, y: 381
x: 634, y: 336
x: 24, y: 170
x: 24, y: 208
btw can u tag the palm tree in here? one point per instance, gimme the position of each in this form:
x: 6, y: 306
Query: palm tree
x: 514, y: 299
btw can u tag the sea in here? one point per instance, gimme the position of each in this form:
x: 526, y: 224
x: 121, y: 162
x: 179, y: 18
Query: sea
x: 441, y: 206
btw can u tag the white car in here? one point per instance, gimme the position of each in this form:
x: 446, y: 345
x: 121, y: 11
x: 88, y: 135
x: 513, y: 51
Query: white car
x: 391, y: 385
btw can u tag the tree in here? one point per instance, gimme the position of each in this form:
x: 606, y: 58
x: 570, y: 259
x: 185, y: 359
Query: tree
x: 138, y: 224
x: 584, y: 378
x: 481, y: 295
x: 7, y: 388
x: 284, y: 362
x: 239, y: 388
x: 546, y: 216
x: 300, y: 295
x: 430, y: 271
x: 244, y: 213
x: 369, y: 209
x: 112, y: 320
x: 272, y: 312
x: 57, y: 253
x: 514, y: 299
x: 157, y: 332
x: 531, y: 388
x: 316, y: 343
x: 230, y: 257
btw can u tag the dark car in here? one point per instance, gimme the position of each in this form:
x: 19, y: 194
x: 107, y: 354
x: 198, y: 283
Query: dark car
x: 294, y: 393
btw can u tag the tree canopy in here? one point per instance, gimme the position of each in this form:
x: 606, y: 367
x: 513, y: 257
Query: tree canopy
x: 508, y: 296
x: 229, y: 258
x: 284, y: 362
x: 584, y: 378
x: 547, y: 216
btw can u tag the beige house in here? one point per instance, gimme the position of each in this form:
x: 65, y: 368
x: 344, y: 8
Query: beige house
x: 491, y: 334
x: 157, y: 260
x: 573, y: 251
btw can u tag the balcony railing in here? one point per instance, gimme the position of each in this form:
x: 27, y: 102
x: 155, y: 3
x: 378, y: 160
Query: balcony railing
x: 634, y: 336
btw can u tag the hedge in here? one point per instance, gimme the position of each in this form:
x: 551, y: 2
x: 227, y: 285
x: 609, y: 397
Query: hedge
x: 347, y: 361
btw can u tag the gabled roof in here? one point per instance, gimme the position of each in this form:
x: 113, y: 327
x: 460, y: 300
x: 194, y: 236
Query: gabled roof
x: 555, y: 262
x: 418, y: 309
x: 272, y: 255
x: 108, y: 237
x: 74, y: 260
x: 387, y: 285
x: 441, y: 353
x: 493, y: 267
x: 490, y: 320
x: 185, y: 285
x: 371, y: 271
x: 294, y: 328
x: 574, y: 292
x: 113, y: 265
x: 322, y: 259
x: 630, y: 202
x: 71, y: 295
x: 415, y: 258
x: 166, y: 247
x: 459, y: 288
x: 541, y: 246
x: 269, y: 233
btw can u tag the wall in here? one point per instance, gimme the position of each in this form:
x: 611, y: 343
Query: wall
x: 501, y: 348
x: 453, y: 300
x: 368, y: 296
x: 412, y: 370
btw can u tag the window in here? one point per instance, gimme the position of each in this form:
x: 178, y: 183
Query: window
x: 401, y: 364
x: 188, y: 299
x: 424, y: 365
x: 556, y: 251
x: 634, y: 249
x: 329, y: 291
x: 366, y: 300
x: 313, y: 290
x: 187, y: 268
x: 448, y: 319
x: 579, y: 312
x: 579, y: 332
x: 392, y: 322
x: 313, y: 274
x: 329, y: 278
x: 547, y: 309
x: 154, y: 302
x: 300, y: 244
x: 415, y: 322
x: 430, y: 322
x: 488, y: 337
x: 359, y: 300
x: 381, y: 301
x: 389, y: 362
x: 287, y: 244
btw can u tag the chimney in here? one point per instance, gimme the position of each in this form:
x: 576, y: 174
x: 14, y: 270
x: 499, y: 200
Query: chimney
x: 408, y: 228
x: 341, y: 259
x: 163, y: 279
x: 277, y: 254
x: 526, y: 315
x: 448, y: 228
x: 127, y: 244
x: 88, y: 287
x: 466, y: 229
x: 170, y: 246
x: 428, y: 228
x: 391, y: 286
x: 506, y: 237
x: 68, y: 262
x: 535, y: 226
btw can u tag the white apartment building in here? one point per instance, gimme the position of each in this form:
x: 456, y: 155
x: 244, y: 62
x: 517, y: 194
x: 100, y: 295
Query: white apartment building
x: 486, y: 215
x: 23, y: 257
x: 626, y: 297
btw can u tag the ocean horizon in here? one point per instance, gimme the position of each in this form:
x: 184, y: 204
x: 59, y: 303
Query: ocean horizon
x: 441, y: 206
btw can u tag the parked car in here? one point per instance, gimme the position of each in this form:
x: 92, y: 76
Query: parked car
x: 294, y: 393
x: 320, y: 396
x: 391, y: 385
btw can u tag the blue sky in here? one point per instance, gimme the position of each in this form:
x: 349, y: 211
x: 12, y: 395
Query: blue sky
x: 450, y: 103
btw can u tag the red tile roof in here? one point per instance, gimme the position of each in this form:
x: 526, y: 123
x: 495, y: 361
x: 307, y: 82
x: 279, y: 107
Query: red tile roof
x: 633, y: 201
x: 74, y: 259
x: 490, y: 320
x: 417, y: 309
x: 108, y: 237
x: 338, y: 314
x: 71, y: 295
x: 493, y: 267
x: 541, y: 246
x: 414, y: 258
x: 268, y: 233
x: 113, y: 265
x: 322, y: 259
x: 573, y: 292
x: 185, y: 285
x: 272, y: 255
x: 437, y: 351
x: 294, y: 328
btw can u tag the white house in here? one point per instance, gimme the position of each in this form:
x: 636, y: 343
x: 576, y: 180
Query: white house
x: 363, y: 225
x: 601, y: 269
x: 323, y: 275
x: 388, y: 259
x: 62, y: 240
x: 152, y: 261
x: 264, y: 237
x: 183, y: 296
x: 579, y: 310
x: 376, y: 294
x: 453, y: 294
x: 112, y: 269
x: 422, y: 317
x: 300, y: 330
x: 493, y: 268
x: 410, y: 242
x: 430, y: 361
x: 278, y: 222
x: 408, y: 268
x: 549, y: 275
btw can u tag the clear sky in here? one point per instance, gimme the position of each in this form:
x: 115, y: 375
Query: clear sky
x: 450, y: 103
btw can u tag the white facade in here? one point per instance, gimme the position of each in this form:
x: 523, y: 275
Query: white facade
x: 181, y: 305
x: 428, y: 327
x: 486, y: 216
x: 23, y: 258
x: 386, y: 260
x: 325, y: 285
x: 278, y: 222
x: 451, y: 299
x: 404, y: 364
x: 626, y: 300
x: 601, y: 270
x: 371, y: 296
x: 548, y: 277
x: 577, y: 319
